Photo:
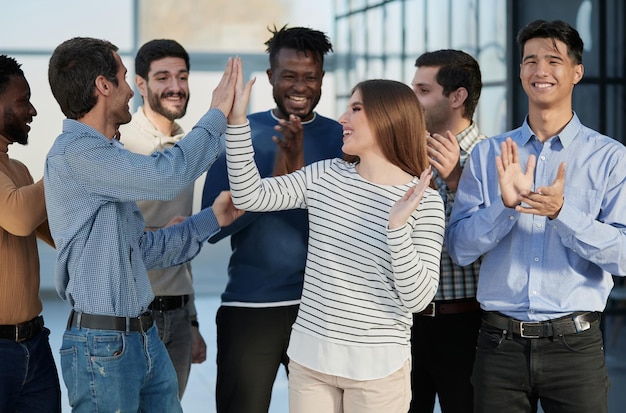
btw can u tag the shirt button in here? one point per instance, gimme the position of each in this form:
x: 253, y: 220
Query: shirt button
x: 539, y: 225
x: 534, y: 292
x: 543, y: 157
x: 536, y: 259
x: 511, y: 217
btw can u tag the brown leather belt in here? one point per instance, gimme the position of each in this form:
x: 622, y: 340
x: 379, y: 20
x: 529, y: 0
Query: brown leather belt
x: 22, y: 331
x: 107, y: 322
x: 570, y: 324
x: 436, y: 308
x: 168, y: 302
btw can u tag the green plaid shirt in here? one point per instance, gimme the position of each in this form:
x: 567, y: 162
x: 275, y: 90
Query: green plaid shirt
x: 457, y: 282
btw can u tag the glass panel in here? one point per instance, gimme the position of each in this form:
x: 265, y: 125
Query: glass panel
x: 616, y: 40
x: 491, y: 112
x: 375, y: 31
x: 615, y: 125
x: 393, y: 42
x: 437, y: 25
x: 585, y: 104
x: 43, y: 24
x: 414, y: 27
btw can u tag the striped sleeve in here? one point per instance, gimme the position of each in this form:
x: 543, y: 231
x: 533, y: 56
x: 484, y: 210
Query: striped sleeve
x: 416, y: 251
x: 251, y: 193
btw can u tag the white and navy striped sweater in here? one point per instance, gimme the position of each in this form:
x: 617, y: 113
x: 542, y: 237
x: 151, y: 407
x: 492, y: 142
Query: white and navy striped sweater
x: 362, y: 281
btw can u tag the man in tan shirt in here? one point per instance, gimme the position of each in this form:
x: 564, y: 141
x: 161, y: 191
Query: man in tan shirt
x: 28, y: 377
x: 162, y: 72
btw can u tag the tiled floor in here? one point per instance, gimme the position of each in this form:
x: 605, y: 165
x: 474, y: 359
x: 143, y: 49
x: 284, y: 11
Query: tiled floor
x: 209, y: 268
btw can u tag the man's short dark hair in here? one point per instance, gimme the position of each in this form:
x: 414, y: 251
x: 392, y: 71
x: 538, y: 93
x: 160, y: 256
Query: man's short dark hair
x: 456, y: 69
x: 74, y: 66
x: 555, y: 30
x: 8, y: 68
x: 301, y: 39
x: 155, y: 50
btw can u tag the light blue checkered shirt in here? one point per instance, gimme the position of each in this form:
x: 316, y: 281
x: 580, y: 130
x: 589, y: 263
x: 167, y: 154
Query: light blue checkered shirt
x: 456, y: 282
x: 91, y: 185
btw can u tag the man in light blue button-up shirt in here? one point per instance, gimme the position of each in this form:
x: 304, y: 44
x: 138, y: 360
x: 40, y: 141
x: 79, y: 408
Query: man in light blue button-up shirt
x: 544, y: 206
x: 112, y: 357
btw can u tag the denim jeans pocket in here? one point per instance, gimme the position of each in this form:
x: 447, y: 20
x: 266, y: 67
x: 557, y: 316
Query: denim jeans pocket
x: 106, y: 346
x: 69, y: 370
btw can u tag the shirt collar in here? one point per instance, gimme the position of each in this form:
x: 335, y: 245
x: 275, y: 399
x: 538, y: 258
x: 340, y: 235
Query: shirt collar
x: 469, y: 137
x: 303, y: 122
x: 74, y: 126
x: 567, y: 135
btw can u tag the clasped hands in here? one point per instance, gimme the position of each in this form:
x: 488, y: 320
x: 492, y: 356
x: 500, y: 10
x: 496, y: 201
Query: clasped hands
x: 516, y: 185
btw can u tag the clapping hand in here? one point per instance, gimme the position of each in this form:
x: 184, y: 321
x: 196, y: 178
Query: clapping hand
x: 513, y: 181
x: 290, y: 156
x: 404, y: 207
x: 444, y: 154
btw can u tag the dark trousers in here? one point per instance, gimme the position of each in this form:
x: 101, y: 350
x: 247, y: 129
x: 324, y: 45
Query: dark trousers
x: 567, y: 373
x: 29, y: 381
x: 443, y: 349
x: 251, y: 345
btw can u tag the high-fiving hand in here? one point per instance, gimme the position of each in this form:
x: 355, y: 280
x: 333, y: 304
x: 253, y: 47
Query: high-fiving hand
x: 237, y: 115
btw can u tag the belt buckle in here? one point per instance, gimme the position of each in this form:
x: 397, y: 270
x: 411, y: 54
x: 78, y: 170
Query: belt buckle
x: 18, y: 329
x: 581, y: 325
x: 521, y: 329
x: 430, y: 310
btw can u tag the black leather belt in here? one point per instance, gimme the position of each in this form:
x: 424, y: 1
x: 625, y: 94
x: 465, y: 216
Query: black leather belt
x: 570, y: 324
x: 23, y: 331
x: 168, y: 302
x: 107, y: 322
x: 436, y: 308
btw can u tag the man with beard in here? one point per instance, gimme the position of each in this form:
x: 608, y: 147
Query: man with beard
x: 448, y: 84
x: 162, y: 73
x: 112, y: 357
x: 28, y: 377
x: 266, y: 268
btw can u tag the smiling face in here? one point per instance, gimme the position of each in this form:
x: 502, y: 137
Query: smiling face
x: 166, y: 91
x: 16, y: 111
x: 296, y: 79
x: 548, y: 74
x: 358, y: 137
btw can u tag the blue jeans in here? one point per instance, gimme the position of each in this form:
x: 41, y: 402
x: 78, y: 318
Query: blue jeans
x: 175, y: 331
x: 567, y: 373
x: 111, y: 371
x: 28, y: 376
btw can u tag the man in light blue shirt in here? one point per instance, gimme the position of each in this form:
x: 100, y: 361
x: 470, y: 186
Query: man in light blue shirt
x: 544, y: 206
x: 111, y: 356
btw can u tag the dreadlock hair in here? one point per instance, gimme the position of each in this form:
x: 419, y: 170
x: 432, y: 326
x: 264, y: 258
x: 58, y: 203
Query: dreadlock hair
x: 8, y: 68
x: 302, y: 39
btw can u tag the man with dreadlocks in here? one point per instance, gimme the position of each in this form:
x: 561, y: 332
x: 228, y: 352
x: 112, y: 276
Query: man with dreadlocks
x: 266, y: 266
